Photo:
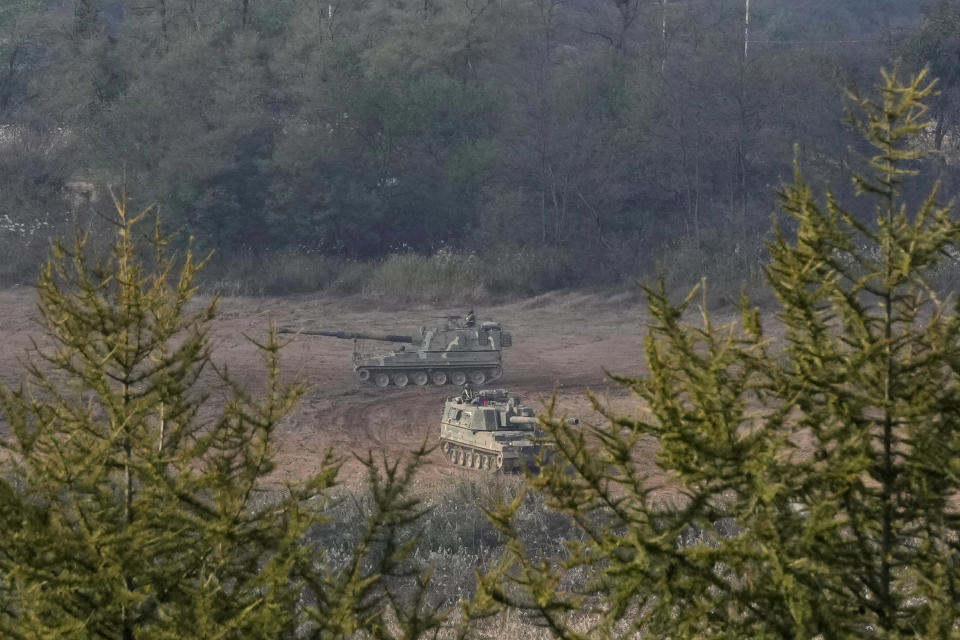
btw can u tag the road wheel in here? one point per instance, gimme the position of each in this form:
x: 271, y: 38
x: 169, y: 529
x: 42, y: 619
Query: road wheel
x: 400, y: 379
x: 495, y: 373
x: 419, y: 378
x: 477, y: 378
x: 458, y: 378
x: 439, y: 378
x: 381, y: 379
x: 363, y: 374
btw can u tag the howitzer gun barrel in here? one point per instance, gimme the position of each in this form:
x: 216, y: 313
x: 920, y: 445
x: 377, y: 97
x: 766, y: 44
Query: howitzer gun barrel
x: 533, y: 420
x: 351, y: 335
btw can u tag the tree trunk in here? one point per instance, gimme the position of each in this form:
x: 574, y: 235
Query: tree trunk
x: 746, y: 29
x: 164, y: 31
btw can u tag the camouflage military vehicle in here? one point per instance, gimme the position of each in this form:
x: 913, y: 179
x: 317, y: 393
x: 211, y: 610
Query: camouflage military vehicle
x: 490, y: 431
x: 458, y: 352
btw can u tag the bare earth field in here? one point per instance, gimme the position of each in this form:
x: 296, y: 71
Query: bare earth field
x: 563, y: 342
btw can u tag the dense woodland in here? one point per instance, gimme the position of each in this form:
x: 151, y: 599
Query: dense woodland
x: 597, y: 137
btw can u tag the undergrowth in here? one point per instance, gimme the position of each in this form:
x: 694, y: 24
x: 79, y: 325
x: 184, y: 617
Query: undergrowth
x: 454, y: 536
x: 451, y: 277
x: 448, y: 277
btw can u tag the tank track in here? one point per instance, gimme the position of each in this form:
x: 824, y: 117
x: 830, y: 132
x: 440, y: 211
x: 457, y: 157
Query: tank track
x: 468, y: 457
x: 458, y: 376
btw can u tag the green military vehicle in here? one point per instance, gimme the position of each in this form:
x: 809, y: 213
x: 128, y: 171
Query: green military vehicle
x: 490, y: 431
x: 461, y: 351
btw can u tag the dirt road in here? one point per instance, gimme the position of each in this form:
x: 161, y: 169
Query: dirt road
x: 562, y: 344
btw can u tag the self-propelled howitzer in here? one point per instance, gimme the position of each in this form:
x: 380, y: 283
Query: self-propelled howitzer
x: 491, y: 431
x: 436, y: 355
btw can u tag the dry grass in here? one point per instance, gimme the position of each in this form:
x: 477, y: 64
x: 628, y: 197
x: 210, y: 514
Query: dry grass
x: 445, y: 276
x: 466, y: 278
x: 471, y: 277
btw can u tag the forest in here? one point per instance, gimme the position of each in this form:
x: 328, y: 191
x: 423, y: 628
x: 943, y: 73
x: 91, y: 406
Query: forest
x: 528, y: 144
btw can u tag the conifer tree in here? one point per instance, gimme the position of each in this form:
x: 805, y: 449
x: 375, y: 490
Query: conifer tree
x: 130, y: 462
x: 815, y: 476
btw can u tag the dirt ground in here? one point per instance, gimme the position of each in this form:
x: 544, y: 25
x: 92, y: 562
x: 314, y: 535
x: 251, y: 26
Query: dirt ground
x: 562, y: 344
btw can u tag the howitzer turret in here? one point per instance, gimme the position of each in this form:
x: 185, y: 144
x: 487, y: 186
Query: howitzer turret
x: 452, y: 353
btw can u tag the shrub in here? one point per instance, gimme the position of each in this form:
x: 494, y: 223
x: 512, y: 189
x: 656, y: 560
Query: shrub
x: 128, y: 479
x: 816, y: 485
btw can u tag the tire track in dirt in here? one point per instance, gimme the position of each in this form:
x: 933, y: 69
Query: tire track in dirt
x: 561, y: 345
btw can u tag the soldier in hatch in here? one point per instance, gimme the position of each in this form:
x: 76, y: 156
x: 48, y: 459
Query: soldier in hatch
x: 470, y: 320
